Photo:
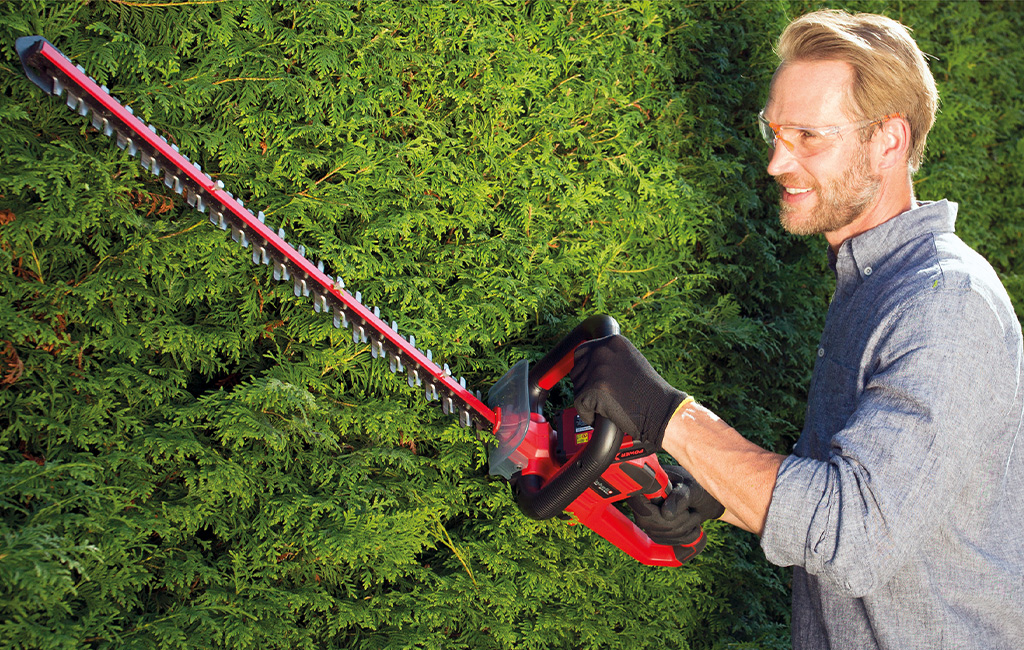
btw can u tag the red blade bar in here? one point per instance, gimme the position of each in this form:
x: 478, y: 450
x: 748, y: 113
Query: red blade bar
x: 203, y: 192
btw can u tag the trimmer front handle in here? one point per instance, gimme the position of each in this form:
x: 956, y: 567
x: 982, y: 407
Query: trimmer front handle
x: 577, y: 469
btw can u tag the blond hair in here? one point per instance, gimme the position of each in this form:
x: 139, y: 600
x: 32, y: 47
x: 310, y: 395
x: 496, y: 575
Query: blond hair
x: 890, y: 72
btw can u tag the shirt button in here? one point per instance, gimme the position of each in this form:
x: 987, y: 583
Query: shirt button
x: 821, y: 352
x: 867, y: 271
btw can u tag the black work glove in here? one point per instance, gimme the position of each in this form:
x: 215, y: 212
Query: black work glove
x: 611, y: 378
x: 678, y: 519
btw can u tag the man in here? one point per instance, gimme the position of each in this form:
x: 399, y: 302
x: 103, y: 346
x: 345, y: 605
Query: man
x: 901, y: 507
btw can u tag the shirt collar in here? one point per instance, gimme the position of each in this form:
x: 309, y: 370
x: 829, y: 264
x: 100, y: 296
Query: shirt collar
x: 865, y: 253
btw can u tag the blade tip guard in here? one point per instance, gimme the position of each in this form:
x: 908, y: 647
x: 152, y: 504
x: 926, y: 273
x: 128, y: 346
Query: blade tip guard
x: 26, y: 46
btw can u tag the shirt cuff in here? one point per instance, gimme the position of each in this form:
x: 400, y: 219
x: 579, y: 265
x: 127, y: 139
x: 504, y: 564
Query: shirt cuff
x: 797, y: 495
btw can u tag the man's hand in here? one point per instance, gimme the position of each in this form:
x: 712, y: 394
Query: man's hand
x: 678, y: 519
x: 611, y: 378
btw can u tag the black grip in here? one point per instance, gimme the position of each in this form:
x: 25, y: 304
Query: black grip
x: 541, y: 499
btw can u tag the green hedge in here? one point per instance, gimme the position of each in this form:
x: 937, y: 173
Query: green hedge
x: 192, y: 458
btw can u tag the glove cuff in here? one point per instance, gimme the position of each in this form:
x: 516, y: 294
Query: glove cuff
x: 687, y: 400
x: 684, y: 401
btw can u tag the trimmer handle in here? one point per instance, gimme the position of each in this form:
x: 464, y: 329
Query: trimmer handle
x: 540, y: 499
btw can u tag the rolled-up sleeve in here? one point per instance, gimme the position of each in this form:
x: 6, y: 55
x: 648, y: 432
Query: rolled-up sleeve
x: 931, y: 379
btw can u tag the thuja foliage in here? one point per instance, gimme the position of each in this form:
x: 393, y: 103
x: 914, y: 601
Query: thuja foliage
x: 192, y: 458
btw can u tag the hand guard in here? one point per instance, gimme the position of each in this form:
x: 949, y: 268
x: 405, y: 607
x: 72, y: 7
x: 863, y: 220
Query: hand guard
x: 678, y: 519
x: 611, y: 378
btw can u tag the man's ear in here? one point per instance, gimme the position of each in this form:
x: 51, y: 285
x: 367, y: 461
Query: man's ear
x: 893, y: 143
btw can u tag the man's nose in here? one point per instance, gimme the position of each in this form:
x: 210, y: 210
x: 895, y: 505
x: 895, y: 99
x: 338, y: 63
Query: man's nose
x: 782, y: 160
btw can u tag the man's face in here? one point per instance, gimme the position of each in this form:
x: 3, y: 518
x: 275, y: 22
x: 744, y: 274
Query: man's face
x: 829, y: 190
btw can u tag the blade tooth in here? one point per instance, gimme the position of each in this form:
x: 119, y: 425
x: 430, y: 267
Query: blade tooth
x: 465, y: 418
x: 430, y: 356
x: 280, y: 233
x: 394, y: 326
x: 190, y: 197
x: 447, y: 405
x: 430, y: 391
x: 81, y: 69
x: 98, y: 121
x: 414, y: 377
x: 319, y: 302
x: 129, y: 109
x: 219, y: 184
x: 340, y: 317
x: 145, y: 160
x: 359, y: 297
x: 201, y: 206
x: 121, y: 140
x: 58, y: 86
x: 396, y: 364
x: 83, y: 108
x: 155, y: 167
x: 376, y: 346
x: 279, y: 270
x: 359, y: 334
x: 297, y: 282
x: 259, y: 255
x: 302, y: 250
x: 447, y: 370
x: 172, y: 181
x: 376, y: 312
x: 412, y: 340
x: 108, y: 128
x: 71, y: 100
x: 320, y: 266
x: 462, y: 382
x: 262, y: 217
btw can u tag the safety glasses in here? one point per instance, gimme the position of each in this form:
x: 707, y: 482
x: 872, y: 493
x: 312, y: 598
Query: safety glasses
x: 805, y: 141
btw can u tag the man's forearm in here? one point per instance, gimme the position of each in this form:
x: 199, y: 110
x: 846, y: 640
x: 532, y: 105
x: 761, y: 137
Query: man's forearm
x: 734, y: 470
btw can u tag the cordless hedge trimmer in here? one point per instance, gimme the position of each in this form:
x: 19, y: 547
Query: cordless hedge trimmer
x: 567, y: 468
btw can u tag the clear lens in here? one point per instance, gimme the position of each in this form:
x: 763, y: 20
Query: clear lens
x: 766, y: 131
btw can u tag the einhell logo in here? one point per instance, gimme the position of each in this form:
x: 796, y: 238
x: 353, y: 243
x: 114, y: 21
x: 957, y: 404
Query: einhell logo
x: 631, y: 453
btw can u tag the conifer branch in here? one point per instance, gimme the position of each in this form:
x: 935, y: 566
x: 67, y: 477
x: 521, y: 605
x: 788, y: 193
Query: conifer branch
x: 166, y: 4
x: 447, y: 541
x: 652, y: 292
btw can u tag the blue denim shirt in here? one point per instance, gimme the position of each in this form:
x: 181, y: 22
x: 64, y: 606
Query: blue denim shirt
x: 901, y: 508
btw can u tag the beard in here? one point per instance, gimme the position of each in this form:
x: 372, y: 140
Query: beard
x: 840, y: 201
